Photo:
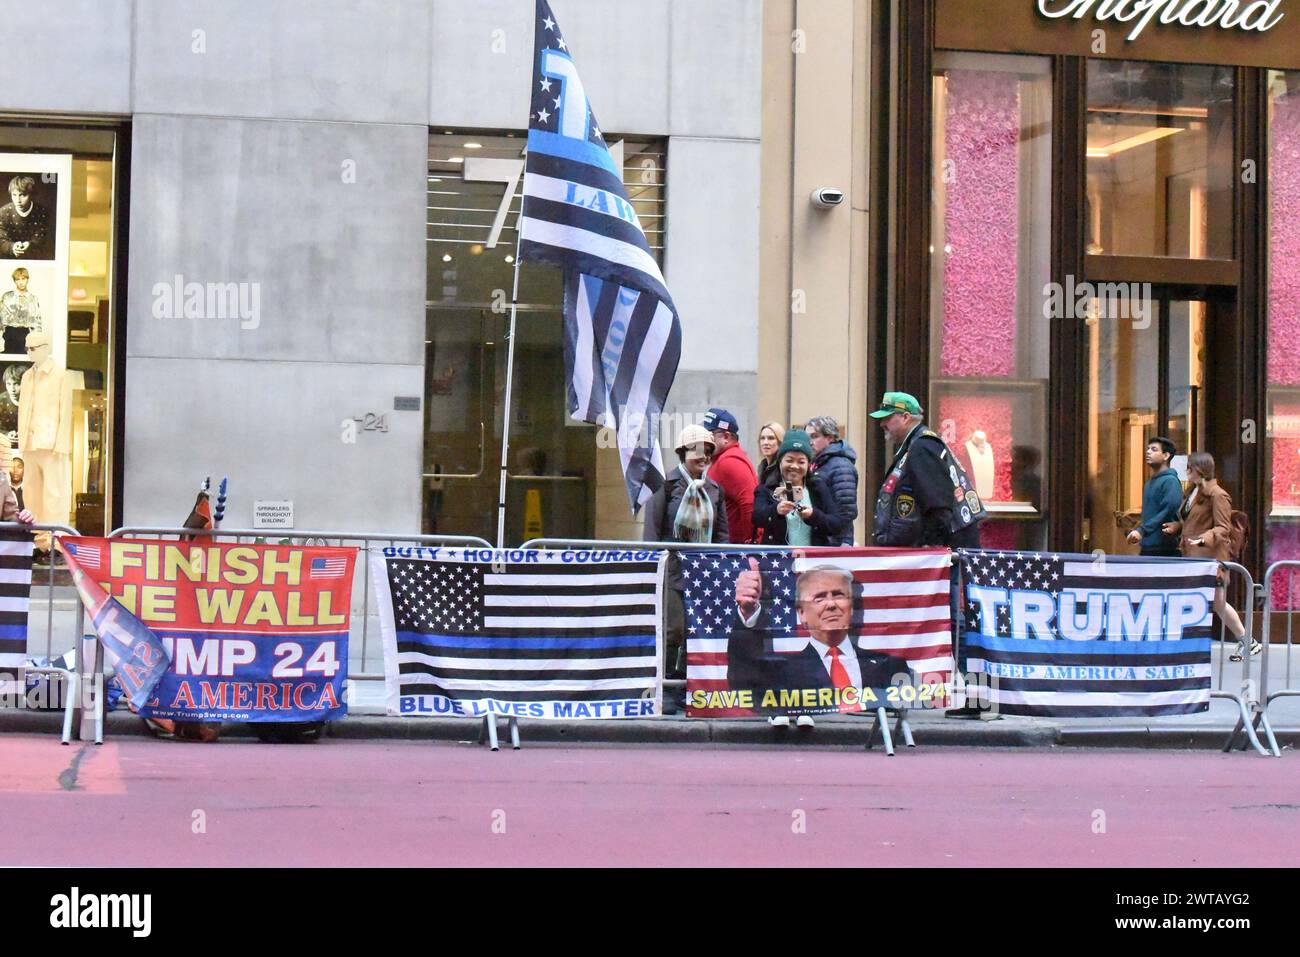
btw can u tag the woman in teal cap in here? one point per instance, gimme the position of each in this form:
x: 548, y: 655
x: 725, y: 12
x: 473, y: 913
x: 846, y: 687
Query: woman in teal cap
x: 800, y: 510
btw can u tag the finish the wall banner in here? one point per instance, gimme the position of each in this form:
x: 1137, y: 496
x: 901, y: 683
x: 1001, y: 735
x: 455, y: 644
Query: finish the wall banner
x: 1074, y: 636
x: 817, y: 630
x: 221, y: 631
x: 521, y: 632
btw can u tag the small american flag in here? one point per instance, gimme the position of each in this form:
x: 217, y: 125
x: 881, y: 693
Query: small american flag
x: 328, y: 567
x: 87, y: 555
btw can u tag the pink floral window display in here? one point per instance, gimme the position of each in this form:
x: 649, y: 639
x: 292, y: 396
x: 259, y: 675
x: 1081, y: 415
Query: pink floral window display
x: 1284, y: 330
x: 990, y: 232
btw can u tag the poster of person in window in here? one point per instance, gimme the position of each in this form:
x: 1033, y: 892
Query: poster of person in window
x: 27, y: 223
x: 11, y: 381
x: 35, y: 222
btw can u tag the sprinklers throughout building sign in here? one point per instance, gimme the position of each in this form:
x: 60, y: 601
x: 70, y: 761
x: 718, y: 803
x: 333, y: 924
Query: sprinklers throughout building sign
x: 1256, y: 15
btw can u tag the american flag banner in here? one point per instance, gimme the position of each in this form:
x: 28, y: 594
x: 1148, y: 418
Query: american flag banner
x: 524, y: 633
x: 88, y: 556
x: 622, y: 336
x: 886, y: 611
x: 15, y: 599
x: 328, y: 567
x: 1082, y: 636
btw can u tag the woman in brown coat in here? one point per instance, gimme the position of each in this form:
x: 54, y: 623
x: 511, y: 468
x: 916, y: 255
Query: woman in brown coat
x: 1205, y: 531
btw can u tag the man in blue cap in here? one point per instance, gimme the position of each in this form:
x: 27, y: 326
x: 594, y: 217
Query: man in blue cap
x: 732, y: 470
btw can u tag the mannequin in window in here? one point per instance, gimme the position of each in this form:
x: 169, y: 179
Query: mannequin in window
x: 980, y: 454
x: 45, y: 436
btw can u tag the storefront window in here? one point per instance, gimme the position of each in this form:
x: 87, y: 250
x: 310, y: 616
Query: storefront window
x: 1146, y: 377
x: 57, y: 278
x: 563, y: 479
x: 989, y: 268
x: 1160, y: 160
x: 1283, y: 439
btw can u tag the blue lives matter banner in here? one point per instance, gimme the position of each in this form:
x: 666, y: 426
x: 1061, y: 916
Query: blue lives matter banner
x: 522, y: 632
x: 1083, y: 636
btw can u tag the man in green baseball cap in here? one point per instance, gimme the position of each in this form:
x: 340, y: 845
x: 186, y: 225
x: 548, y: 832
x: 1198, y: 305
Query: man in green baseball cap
x: 896, y: 402
x: 926, y: 499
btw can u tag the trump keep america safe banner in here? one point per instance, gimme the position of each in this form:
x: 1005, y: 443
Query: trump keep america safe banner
x: 817, y: 630
x: 521, y: 632
x: 218, y: 631
x: 1073, y: 636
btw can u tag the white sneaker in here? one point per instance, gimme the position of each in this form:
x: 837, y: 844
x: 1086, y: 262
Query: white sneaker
x: 805, y: 721
x: 779, y: 721
x: 1255, y: 649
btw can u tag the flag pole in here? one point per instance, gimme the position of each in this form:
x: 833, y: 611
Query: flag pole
x: 510, y: 382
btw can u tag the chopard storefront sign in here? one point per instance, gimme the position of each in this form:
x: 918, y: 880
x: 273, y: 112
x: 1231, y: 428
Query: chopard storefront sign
x: 1257, y: 15
x: 1259, y: 33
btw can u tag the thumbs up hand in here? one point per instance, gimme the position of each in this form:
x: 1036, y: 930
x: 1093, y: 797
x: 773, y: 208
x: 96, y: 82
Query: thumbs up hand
x: 749, y: 589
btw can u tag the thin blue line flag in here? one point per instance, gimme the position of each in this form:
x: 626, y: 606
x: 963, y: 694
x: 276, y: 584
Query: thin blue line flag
x: 622, y: 335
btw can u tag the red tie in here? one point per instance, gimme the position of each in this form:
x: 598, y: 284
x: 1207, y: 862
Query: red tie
x: 840, y: 678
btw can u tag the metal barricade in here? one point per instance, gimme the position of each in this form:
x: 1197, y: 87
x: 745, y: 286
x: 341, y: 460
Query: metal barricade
x: 364, y: 541
x: 1251, y: 710
x: 70, y: 678
x: 1290, y: 684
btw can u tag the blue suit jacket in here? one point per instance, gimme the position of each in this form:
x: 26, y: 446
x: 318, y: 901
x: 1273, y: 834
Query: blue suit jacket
x: 752, y: 664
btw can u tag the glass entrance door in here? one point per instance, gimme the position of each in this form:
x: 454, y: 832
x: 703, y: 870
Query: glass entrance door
x: 1147, y: 377
x: 551, y: 460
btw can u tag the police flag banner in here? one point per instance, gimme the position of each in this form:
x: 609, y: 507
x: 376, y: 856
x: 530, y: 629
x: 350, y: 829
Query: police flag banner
x: 221, y: 631
x: 15, y: 596
x: 1072, y: 636
x: 527, y: 633
x: 134, y: 652
x: 832, y: 630
x: 622, y: 336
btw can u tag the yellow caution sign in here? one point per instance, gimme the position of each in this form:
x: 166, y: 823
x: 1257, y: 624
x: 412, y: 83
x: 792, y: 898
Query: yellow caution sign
x: 533, y: 513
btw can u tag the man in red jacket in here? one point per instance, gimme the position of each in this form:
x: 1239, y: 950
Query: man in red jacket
x: 732, y: 470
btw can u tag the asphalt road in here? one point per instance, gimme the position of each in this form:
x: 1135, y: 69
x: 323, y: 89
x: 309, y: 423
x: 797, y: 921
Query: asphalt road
x: 149, y: 803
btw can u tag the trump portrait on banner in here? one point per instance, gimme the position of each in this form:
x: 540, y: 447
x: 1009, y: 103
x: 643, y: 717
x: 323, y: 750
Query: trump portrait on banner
x: 831, y: 657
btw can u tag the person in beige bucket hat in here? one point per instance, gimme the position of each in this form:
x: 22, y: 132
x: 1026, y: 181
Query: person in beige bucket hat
x: 689, y: 507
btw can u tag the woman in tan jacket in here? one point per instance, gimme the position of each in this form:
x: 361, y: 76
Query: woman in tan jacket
x: 1205, y: 531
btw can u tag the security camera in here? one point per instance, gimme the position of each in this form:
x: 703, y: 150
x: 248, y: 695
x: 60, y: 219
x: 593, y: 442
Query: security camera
x: 824, y: 197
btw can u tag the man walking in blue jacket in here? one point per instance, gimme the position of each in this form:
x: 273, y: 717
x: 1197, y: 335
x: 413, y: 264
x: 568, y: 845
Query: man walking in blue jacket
x: 1161, y: 498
